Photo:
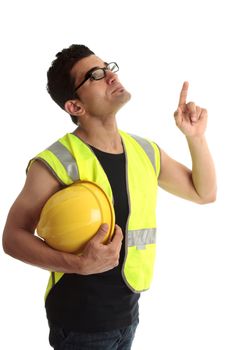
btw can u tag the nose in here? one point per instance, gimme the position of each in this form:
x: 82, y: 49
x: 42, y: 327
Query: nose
x: 110, y: 77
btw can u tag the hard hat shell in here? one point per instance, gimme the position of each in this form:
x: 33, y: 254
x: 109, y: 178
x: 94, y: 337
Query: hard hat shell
x: 72, y: 216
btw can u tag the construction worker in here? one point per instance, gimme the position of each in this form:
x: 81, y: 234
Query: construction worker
x: 92, y: 298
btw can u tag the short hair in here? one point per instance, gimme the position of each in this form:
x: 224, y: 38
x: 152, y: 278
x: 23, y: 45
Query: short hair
x: 60, y: 83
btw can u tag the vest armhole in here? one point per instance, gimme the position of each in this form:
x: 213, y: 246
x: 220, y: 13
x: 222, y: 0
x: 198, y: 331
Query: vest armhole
x: 158, y: 158
x: 47, y: 165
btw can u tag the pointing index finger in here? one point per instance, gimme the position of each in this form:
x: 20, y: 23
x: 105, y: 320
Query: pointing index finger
x: 183, y: 94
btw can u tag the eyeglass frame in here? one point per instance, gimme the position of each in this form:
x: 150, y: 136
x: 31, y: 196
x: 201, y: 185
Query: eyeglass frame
x: 89, y: 75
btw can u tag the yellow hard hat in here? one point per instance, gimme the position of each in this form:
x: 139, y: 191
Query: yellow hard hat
x: 72, y: 216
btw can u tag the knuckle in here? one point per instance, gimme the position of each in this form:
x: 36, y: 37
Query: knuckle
x: 191, y: 103
x: 116, y: 262
x: 114, y: 256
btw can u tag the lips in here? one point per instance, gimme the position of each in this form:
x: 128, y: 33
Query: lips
x: 117, y: 88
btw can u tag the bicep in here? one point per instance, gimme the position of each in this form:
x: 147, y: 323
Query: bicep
x: 40, y: 184
x: 176, y: 178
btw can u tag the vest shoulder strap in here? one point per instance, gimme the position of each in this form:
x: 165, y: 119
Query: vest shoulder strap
x: 147, y: 147
x: 66, y: 158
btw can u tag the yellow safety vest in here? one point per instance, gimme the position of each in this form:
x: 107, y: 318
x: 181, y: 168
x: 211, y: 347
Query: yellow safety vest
x: 70, y: 159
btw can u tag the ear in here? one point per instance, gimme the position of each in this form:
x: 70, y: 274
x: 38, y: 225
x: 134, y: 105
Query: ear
x: 74, y: 107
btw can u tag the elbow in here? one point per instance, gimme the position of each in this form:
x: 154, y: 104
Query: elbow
x: 210, y: 198
x: 6, y: 246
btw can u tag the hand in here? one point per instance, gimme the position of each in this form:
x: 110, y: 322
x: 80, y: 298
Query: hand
x: 190, y: 119
x: 98, y: 257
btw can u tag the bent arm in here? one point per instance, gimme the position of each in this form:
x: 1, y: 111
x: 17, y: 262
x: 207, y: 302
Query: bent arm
x: 20, y: 242
x: 197, y: 185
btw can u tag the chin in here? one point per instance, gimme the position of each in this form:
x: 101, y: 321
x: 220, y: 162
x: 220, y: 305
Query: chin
x: 129, y: 95
x: 120, y: 100
x: 126, y: 96
x: 123, y: 102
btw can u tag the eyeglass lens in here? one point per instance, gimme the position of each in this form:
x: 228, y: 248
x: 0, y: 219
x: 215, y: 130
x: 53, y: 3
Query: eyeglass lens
x: 100, y: 73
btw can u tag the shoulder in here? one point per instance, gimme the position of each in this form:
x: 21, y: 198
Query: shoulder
x: 39, y: 186
x: 51, y: 159
x: 40, y: 182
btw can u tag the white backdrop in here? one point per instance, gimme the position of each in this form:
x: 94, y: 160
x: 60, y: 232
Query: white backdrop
x: 158, y: 45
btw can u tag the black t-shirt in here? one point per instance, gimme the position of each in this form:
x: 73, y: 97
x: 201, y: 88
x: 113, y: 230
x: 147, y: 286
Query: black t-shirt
x: 98, y: 302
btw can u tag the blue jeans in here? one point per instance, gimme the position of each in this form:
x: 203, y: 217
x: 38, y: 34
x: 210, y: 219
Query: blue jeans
x: 119, y: 339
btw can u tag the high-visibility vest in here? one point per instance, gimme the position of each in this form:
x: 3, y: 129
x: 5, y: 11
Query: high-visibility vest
x: 70, y: 159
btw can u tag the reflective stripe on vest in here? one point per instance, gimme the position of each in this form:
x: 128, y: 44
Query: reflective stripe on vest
x: 139, y: 238
x: 66, y: 158
x: 147, y: 147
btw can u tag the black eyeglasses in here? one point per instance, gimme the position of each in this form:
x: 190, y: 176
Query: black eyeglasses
x: 98, y: 73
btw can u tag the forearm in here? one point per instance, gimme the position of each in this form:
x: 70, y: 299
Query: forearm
x: 203, y: 170
x: 30, y: 249
x: 96, y: 257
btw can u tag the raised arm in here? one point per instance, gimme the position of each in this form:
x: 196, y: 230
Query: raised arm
x: 198, y: 184
x: 20, y: 242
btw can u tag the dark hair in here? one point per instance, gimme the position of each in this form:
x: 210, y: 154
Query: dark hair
x: 60, y: 83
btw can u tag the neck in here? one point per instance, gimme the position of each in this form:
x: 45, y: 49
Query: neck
x: 103, y: 136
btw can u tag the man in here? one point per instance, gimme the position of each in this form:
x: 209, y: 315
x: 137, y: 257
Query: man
x: 92, y: 299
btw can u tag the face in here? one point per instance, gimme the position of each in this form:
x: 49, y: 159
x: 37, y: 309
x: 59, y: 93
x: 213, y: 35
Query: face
x: 99, y: 97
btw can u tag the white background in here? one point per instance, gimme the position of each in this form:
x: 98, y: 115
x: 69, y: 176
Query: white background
x: 158, y: 45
